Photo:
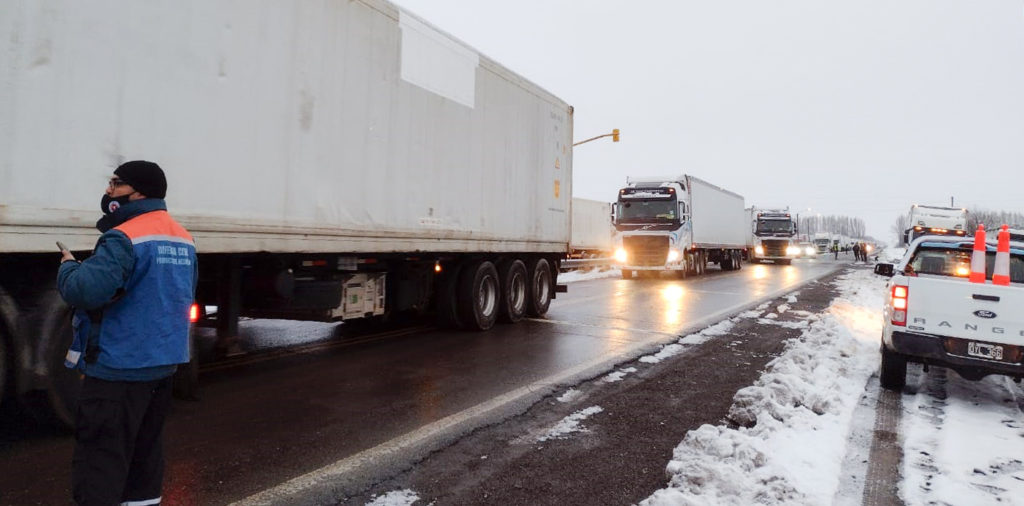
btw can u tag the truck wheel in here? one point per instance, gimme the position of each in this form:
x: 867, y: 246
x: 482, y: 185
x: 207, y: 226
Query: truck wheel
x: 50, y: 322
x: 478, y: 295
x: 447, y: 301
x: 539, y: 298
x: 627, y: 274
x: 893, y: 373
x: 512, y: 307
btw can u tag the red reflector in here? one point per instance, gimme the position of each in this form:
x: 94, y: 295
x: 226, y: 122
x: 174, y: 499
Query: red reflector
x: 193, y: 313
x: 319, y: 263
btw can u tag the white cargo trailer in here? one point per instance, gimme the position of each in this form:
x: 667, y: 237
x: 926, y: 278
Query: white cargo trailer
x: 333, y: 160
x: 591, y: 228
x: 678, y: 224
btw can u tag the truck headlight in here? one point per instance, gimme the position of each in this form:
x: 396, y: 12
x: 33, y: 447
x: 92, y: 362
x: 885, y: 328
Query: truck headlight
x: 792, y: 251
x: 759, y: 249
x: 621, y: 256
x: 673, y: 255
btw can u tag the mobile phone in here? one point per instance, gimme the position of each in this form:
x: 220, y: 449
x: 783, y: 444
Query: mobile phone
x: 62, y: 246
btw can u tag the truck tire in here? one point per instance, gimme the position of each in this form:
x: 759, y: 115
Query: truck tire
x: 512, y: 307
x: 627, y: 274
x: 541, y: 290
x: 478, y: 295
x: 49, y: 321
x: 446, y: 301
x: 893, y: 373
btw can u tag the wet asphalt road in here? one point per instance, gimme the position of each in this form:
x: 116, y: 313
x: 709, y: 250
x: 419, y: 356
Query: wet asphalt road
x: 333, y: 420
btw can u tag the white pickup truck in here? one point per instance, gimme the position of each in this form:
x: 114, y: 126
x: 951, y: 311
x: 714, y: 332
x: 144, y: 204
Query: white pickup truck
x: 935, y: 316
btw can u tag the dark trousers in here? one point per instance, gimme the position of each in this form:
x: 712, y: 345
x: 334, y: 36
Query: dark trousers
x: 118, y: 441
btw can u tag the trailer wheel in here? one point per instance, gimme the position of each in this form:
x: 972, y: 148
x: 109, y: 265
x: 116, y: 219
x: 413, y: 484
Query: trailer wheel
x: 512, y: 307
x: 540, y: 288
x: 447, y: 298
x: 627, y: 274
x: 893, y: 373
x: 478, y: 295
x: 50, y: 322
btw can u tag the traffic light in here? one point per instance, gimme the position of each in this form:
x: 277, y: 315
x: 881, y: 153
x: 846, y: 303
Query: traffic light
x: 615, y: 135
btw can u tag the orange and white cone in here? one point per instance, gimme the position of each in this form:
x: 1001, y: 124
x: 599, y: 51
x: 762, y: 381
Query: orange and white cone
x: 1001, y: 271
x: 978, y: 257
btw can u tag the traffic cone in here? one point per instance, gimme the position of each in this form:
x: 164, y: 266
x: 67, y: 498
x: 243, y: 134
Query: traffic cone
x: 978, y: 257
x: 1001, y: 272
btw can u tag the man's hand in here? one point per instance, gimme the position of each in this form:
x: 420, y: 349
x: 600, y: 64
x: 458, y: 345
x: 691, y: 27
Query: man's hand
x: 66, y: 256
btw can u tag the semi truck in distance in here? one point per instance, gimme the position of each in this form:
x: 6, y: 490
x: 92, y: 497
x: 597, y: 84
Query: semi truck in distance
x: 677, y: 224
x: 592, y: 229
x: 353, y: 163
x: 773, y: 235
x: 935, y: 220
x: 823, y: 242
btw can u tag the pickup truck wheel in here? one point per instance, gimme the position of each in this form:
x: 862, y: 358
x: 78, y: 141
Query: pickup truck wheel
x: 478, y: 295
x: 627, y: 274
x: 893, y: 373
x: 539, y: 298
x: 512, y: 306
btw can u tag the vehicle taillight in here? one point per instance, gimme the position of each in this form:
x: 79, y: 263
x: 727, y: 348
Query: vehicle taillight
x: 900, y: 294
x: 193, y: 313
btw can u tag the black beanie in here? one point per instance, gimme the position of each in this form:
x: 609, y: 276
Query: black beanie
x: 146, y: 177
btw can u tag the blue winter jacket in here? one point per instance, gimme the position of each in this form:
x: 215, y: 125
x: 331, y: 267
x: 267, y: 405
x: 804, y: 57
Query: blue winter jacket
x: 132, y: 296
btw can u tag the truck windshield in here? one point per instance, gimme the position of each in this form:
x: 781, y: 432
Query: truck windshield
x: 774, y: 227
x: 647, y: 210
x: 951, y: 260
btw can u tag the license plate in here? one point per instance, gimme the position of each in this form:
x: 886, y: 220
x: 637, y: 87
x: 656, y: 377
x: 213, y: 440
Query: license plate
x: 985, y: 350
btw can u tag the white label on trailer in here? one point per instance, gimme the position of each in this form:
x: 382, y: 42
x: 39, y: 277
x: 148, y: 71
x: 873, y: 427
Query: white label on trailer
x: 436, y: 63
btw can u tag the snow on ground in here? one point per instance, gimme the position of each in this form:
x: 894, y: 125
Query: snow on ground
x: 268, y: 333
x: 570, y: 395
x: 618, y: 375
x: 395, y: 498
x: 570, y: 424
x: 792, y: 425
x: 573, y: 276
x: 670, y: 350
x: 963, y: 440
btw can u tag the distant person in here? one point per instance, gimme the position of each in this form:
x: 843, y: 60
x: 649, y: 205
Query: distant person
x: 864, y: 252
x: 131, y: 300
x: 856, y: 252
x: 835, y: 251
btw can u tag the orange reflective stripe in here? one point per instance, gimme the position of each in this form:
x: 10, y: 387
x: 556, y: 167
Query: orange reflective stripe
x: 153, y: 223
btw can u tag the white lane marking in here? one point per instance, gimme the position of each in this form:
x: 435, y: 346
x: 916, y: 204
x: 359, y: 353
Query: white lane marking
x: 332, y: 472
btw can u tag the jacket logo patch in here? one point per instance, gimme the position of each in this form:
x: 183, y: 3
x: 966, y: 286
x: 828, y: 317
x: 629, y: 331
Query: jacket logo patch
x: 983, y: 313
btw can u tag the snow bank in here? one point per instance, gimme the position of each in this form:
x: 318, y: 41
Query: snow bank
x: 670, y: 350
x: 618, y: 375
x: 573, y: 276
x: 792, y: 425
x: 570, y: 395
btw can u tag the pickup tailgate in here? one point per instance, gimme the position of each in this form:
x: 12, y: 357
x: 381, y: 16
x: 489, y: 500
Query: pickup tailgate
x: 953, y: 307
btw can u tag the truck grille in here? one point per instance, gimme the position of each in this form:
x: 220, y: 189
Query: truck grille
x: 646, y: 250
x: 774, y: 247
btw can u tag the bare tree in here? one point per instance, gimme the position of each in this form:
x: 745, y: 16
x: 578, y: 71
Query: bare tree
x: 899, y: 228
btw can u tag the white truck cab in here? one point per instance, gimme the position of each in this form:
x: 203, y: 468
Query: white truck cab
x: 934, y: 316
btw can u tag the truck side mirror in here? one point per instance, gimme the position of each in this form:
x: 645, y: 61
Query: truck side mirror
x: 884, y: 270
x: 615, y: 207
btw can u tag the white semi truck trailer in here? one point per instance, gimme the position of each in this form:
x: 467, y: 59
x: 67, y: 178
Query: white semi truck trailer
x: 333, y: 160
x: 773, y: 235
x: 677, y: 224
x: 592, y: 229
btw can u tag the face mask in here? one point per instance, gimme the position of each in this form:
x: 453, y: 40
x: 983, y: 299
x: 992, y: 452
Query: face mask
x: 110, y: 204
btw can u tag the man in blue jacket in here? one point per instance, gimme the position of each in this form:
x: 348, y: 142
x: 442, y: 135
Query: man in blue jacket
x: 132, y: 298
